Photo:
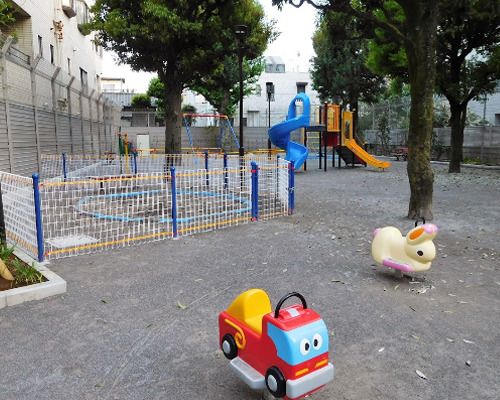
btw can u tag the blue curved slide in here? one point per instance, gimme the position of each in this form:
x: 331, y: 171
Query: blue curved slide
x: 280, y: 133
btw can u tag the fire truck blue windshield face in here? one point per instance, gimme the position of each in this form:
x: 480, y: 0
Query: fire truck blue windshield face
x: 300, y: 344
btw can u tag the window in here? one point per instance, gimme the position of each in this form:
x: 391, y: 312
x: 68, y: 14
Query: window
x: 84, y: 78
x: 69, y: 66
x: 301, y: 87
x: 275, y: 68
x: 40, y: 46
x: 258, y: 90
x: 52, y: 60
x: 280, y: 68
x: 252, y: 119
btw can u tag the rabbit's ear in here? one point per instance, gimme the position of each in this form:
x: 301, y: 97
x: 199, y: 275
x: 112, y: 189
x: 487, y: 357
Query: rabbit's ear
x: 421, y: 233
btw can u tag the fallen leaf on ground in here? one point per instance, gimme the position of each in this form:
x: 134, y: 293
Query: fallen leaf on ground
x: 450, y: 340
x: 421, y: 374
x: 415, y: 337
x: 181, y: 306
x: 468, y: 341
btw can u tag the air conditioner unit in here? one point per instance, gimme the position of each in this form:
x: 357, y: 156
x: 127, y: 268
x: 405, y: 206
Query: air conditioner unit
x: 68, y: 7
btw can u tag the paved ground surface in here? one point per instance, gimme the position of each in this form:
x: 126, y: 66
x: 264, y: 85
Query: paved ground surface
x: 119, y: 332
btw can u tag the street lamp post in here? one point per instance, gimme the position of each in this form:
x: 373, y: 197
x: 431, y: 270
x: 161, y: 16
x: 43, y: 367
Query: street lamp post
x: 241, y: 33
x: 270, y: 97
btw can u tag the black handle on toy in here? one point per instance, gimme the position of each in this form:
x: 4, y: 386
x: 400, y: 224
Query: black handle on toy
x: 418, y: 219
x: 285, y: 298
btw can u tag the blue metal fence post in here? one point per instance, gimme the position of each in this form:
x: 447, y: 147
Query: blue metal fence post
x: 291, y: 187
x: 174, y: 202
x: 255, y: 191
x: 65, y: 170
x: 135, y: 162
x: 38, y: 217
x: 226, y: 180
x: 206, y: 169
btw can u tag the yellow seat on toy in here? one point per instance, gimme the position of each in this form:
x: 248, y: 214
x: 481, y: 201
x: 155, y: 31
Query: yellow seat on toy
x: 249, y: 308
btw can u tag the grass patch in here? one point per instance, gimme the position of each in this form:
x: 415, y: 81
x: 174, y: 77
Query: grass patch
x: 24, y: 274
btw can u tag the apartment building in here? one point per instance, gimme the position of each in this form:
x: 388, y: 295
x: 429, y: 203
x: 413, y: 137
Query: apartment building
x: 286, y: 85
x: 50, y: 95
x: 52, y: 29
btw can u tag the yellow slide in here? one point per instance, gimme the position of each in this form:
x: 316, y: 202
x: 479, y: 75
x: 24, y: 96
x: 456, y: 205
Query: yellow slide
x: 363, y: 155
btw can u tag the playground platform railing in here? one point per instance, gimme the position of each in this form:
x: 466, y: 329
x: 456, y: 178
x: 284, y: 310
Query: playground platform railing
x: 89, y: 204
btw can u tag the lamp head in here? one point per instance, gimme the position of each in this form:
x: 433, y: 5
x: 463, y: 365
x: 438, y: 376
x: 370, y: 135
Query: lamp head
x: 240, y: 31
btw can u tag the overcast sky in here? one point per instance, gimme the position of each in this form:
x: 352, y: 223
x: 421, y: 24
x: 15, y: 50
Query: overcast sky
x: 294, y: 45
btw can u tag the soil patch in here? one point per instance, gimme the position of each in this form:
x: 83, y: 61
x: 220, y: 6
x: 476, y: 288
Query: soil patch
x: 24, y: 275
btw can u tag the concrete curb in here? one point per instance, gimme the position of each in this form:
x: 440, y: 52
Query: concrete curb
x: 490, y: 167
x: 54, y: 285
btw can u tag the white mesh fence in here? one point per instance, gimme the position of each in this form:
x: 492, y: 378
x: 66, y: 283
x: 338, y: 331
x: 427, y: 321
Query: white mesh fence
x: 19, y: 212
x: 92, y: 213
x: 86, y: 215
x: 96, y: 203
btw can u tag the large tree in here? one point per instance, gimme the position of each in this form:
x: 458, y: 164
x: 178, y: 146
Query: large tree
x: 417, y: 32
x: 182, y: 41
x: 468, y: 60
x: 339, y: 70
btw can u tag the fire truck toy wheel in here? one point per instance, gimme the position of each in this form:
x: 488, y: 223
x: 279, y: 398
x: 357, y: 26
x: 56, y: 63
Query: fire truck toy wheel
x: 228, y: 346
x: 275, y: 382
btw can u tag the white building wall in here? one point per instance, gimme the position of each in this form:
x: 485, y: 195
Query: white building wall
x: 80, y: 49
x: 255, y: 106
x: 491, y: 110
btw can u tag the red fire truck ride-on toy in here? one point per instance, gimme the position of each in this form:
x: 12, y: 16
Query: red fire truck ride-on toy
x: 285, y: 350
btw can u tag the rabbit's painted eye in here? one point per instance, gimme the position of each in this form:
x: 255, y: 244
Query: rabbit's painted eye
x: 420, y: 253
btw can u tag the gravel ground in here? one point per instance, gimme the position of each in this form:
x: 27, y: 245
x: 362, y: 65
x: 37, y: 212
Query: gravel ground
x: 141, y: 322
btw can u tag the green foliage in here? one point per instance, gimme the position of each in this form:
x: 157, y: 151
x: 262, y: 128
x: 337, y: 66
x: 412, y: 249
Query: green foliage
x: 468, y: 52
x: 441, y: 115
x: 6, y: 252
x: 384, y: 132
x: 156, y: 89
x: 182, y: 41
x: 141, y: 101
x: 189, y: 109
x: 6, y: 14
x: 25, y: 274
x: 339, y: 69
x: 221, y: 86
x: 437, y: 146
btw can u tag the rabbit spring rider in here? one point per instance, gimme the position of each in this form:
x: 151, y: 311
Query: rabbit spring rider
x: 285, y: 350
x: 411, y: 253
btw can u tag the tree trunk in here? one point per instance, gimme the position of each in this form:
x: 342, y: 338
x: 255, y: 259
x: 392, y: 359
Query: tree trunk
x: 421, y: 53
x: 173, y: 114
x: 457, y: 122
